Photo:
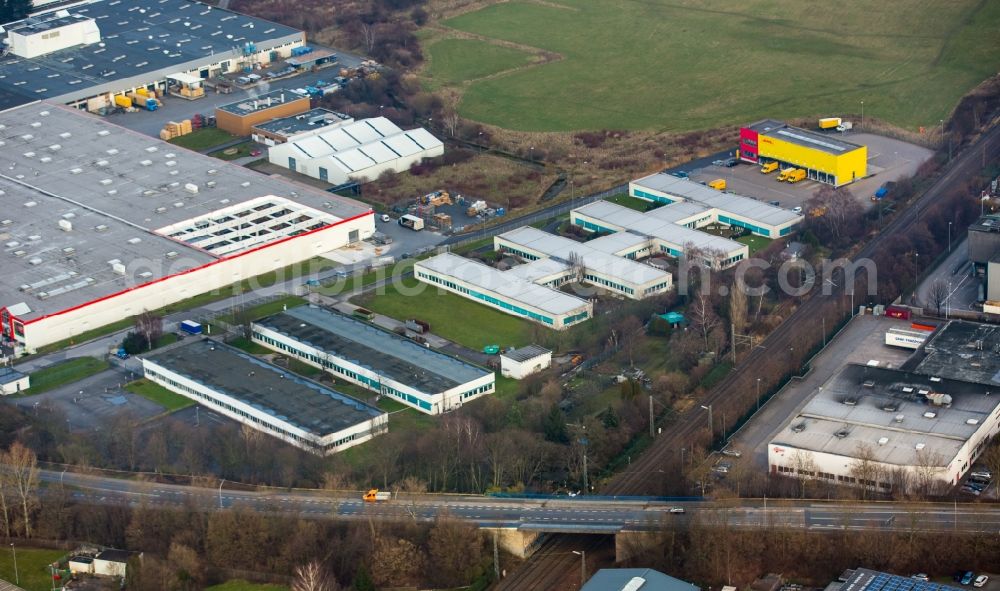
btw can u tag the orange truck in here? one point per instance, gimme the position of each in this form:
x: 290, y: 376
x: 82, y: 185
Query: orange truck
x: 375, y: 496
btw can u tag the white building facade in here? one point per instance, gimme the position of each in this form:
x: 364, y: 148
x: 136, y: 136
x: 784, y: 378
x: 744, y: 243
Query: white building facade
x: 521, y: 363
x: 382, y: 362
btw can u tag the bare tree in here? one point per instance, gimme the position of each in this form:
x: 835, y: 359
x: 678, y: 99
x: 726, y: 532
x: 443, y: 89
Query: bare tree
x: 6, y: 488
x: 629, y: 331
x: 578, y: 269
x: 370, y: 36
x: 938, y: 294
x: 805, y: 469
x: 833, y: 214
x: 23, y: 467
x: 150, y: 326
x: 930, y: 467
x: 991, y: 457
x: 738, y: 308
x: 703, y: 317
x: 866, y: 470
x: 313, y: 577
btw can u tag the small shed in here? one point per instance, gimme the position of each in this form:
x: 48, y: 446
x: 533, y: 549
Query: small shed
x: 674, y: 319
x: 81, y: 565
x: 794, y: 251
x: 13, y: 381
x: 521, y: 363
x: 111, y: 563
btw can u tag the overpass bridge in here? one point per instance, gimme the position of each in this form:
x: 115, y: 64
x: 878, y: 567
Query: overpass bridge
x: 522, y: 523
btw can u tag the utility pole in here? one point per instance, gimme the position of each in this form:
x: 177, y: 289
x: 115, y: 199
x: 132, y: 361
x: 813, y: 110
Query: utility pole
x: 496, y: 557
x: 583, y: 566
x: 17, y: 578
x: 758, y: 394
x: 220, y: 492
x: 586, y: 484
x: 711, y: 425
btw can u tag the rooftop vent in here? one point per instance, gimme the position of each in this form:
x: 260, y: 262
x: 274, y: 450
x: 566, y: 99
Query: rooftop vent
x: 972, y: 422
x: 146, y: 274
x: 171, y: 162
x: 101, y: 228
x: 191, y: 188
x: 65, y: 135
x: 29, y: 154
x: 103, y: 132
x: 935, y: 379
x: 145, y: 162
x: 30, y: 203
x: 105, y: 182
x: 66, y: 225
x: 136, y: 240
x: 35, y: 261
x: 68, y: 215
x: 12, y: 244
x: 841, y: 434
x: 898, y: 418
x: 152, y: 149
x: 883, y: 440
x: 799, y: 428
x: 112, y: 151
x: 75, y: 170
x: 55, y: 147
x: 69, y: 250
x: 6, y: 222
x: 851, y: 401
x: 890, y: 407
x: 930, y: 414
x: 161, y: 209
x: 172, y: 254
x: 920, y: 446
x: 869, y: 384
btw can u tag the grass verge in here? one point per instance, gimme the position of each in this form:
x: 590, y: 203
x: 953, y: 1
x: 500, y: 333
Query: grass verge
x: 452, y: 317
x: 754, y: 243
x: 203, y: 139
x: 456, y: 61
x: 241, y: 585
x: 32, y: 567
x: 65, y: 372
x: 158, y: 394
x: 265, y: 309
x: 234, y: 152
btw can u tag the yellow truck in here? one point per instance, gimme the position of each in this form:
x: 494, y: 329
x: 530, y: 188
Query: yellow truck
x: 718, y: 184
x: 769, y: 167
x: 829, y: 122
x: 783, y: 175
x: 796, y: 175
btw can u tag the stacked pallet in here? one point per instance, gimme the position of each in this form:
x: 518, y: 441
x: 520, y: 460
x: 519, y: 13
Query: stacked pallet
x: 172, y: 129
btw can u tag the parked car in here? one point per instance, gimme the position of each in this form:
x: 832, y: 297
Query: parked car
x: 969, y: 490
x: 732, y: 452
x: 979, y: 473
x: 981, y: 581
x: 385, y: 218
x: 797, y: 209
x: 967, y: 577
x: 681, y: 510
x: 921, y: 577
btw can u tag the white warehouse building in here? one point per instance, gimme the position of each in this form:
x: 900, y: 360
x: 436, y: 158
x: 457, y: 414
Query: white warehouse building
x: 101, y: 223
x: 85, y: 53
x: 359, y: 152
x: 887, y: 428
x: 729, y: 209
x: 384, y: 362
x: 266, y: 397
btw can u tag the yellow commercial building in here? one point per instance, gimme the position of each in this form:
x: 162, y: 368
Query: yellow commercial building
x: 825, y: 157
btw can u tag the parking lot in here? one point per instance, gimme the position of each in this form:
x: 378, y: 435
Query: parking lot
x: 176, y: 109
x: 888, y: 160
x: 88, y: 404
x: 863, y: 340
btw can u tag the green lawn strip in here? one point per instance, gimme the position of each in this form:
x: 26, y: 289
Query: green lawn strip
x: 238, y: 151
x: 64, y: 372
x: 249, y: 346
x: 893, y: 57
x: 716, y: 375
x: 87, y: 336
x: 506, y: 387
x: 32, y: 566
x: 203, y: 139
x: 158, y: 394
x: 754, y: 242
x: 632, y: 202
x: 265, y: 309
x: 454, y: 61
x: 241, y: 585
x: 451, y: 316
x: 339, y: 285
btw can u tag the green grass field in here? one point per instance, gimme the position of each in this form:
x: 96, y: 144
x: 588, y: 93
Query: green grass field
x: 239, y: 585
x: 203, y: 139
x: 630, y: 202
x: 158, y: 394
x: 452, y: 317
x: 32, y: 566
x: 65, y: 372
x: 267, y: 308
x: 694, y: 64
x: 754, y: 242
x: 455, y: 61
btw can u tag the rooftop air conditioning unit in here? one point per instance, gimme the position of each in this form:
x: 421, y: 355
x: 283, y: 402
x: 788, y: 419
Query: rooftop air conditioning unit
x: 883, y: 440
x: 930, y: 414
x: 66, y: 225
x: 191, y: 188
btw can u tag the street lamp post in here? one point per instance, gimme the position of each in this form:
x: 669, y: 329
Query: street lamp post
x: 17, y: 578
x: 220, y: 492
x: 947, y: 302
x: 949, y: 236
x: 758, y: 394
x: 583, y: 566
x: 862, y: 114
x: 711, y: 425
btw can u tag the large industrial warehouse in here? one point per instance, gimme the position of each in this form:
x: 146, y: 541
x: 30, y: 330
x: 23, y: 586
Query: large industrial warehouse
x: 101, y: 223
x: 825, y: 157
x: 508, y: 291
x: 381, y: 361
x: 357, y: 152
x: 729, y: 209
x: 929, y: 419
x: 264, y: 396
x: 97, y: 49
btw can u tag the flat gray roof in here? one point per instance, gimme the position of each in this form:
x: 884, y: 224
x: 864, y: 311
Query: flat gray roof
x: 385, y: 353
x: 803, y: 137
x: 526, y: 353
x: 262, y: 102
x: 747, y: 207
x: 136, y: 39
x: 311, y: 120
x: 663, y: 223
x: 504, y: 284
x: 961, y: 350
x: 118, y: 192
x: 863, y: 579
x: 862, y: 404
x: 635, y: 579
x: 595, y: 259
x: 268, y: 388
x: 9, y: 374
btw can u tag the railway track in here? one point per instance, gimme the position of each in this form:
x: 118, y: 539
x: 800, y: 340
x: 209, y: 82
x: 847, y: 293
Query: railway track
x: 645, y: 475
x: 554, y: 567
x: 641, y: 476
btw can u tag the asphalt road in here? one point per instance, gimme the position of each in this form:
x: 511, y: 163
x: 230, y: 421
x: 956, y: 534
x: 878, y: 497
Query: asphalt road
x: 954, y: 272
x: 579, y: 515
